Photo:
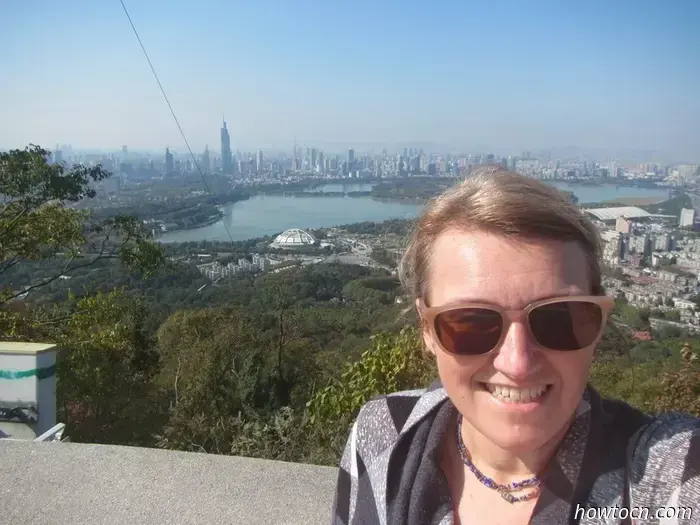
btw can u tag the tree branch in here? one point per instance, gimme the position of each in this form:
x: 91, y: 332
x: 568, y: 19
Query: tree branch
x: 177, y: 378
x: 66, y: 270
x: 13, y: 221
x: 10, y: 265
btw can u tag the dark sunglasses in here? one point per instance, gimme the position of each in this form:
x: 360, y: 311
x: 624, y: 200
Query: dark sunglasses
x: 563, y: 323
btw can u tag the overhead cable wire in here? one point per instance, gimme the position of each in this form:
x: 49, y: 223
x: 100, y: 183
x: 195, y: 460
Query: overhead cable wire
x: 172, y: 112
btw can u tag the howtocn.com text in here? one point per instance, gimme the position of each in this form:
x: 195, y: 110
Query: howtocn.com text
x: 634, y: 513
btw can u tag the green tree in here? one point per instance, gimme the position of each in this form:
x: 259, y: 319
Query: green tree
x: 104, y: 370
x: 636, y: 384
x: 680, y: 387
x: 40, y: 220
x: 394, y: 362
x: 213, y: 370
x: 673, y: 315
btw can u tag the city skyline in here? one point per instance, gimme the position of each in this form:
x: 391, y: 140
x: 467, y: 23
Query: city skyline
x: 505, y: 78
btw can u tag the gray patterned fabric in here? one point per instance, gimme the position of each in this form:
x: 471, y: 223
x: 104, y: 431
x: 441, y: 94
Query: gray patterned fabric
x: 390, y: 470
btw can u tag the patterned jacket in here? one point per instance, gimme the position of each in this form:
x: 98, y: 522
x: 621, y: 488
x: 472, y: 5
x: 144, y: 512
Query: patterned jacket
x: 390, y: 470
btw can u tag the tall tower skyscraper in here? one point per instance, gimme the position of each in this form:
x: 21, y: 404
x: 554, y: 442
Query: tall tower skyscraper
x: 226, y: 158
x: 321, y: 165
x: 259, y: 162
x: 206, y: 161
x: 168, y: 161
x: 351, y: 160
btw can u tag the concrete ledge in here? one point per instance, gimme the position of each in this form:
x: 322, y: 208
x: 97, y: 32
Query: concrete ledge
x: 82, y: 484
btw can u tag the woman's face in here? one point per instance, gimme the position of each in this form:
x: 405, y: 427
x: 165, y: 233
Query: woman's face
x: 486, y: 268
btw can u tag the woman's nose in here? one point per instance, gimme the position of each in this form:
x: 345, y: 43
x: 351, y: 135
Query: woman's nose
x: 518, y: 357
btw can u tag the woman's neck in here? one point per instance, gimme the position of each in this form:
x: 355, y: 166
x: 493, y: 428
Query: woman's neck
x: 507, y: 466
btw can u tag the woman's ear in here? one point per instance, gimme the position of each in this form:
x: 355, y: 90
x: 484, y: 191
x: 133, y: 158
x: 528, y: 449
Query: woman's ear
x: 423, y: 330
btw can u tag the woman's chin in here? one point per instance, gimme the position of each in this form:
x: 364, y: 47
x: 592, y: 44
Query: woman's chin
x: 518, y: 426
x: 524, y: 442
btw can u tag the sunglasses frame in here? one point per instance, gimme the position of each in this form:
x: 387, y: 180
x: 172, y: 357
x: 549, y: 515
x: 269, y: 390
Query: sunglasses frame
x: 428, y: 314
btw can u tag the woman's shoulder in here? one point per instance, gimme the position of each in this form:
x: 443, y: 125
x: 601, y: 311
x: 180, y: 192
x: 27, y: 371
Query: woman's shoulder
x: 670, y: 443
x: 382, y: 419
x: 665, y: 444
x: 402, y: 407
x: 666, y: 461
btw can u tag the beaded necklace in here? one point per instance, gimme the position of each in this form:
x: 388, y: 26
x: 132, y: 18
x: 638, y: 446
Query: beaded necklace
x: 504, y: 490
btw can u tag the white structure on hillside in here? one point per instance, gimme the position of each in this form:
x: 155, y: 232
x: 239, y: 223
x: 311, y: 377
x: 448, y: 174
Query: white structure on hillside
x: 293, y: 238
x: 611, y: 214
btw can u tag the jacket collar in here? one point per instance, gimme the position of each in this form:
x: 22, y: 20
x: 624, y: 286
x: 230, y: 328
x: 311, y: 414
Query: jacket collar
x: 429, y: 399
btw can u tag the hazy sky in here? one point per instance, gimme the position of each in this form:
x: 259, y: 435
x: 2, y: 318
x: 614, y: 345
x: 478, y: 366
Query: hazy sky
x: 511, y: 76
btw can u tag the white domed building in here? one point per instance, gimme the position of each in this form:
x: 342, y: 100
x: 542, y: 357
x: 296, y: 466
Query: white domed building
x: 294, y: 238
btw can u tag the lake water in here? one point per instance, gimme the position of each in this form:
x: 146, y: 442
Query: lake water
x: 270, y: 214
x: 338, y: 187
x: 609, y: 192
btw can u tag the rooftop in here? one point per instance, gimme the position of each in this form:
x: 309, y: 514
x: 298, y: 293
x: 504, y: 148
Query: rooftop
x: 25, y: 348
x: 294, y: 237
x: 85, y: 484
x: 611, y: 214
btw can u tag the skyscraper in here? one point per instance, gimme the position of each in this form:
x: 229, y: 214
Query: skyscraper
x: 259, y: 162
x: 226, y: 159
x: 351, y: 160
x: 168, y: 161
x: 206, y: 161
x: 321, y: 165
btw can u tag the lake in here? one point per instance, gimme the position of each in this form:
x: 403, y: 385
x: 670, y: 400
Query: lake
x: 609, y: 192
x: 341, y: 187
x: 269, y: 214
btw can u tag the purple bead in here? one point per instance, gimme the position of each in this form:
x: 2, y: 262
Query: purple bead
x: 488, y: 482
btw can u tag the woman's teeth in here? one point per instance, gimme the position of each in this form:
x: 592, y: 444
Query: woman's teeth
x: 516, y: 395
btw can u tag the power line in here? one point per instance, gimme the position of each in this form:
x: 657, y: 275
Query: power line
x: 172, y: 112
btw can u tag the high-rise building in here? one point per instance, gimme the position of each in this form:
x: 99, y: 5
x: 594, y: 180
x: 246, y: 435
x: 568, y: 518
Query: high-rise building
x: 612, y: 246
x: 259, y: 162
x: 295, y: 157
x: 662, y: 242
x: 125, y: 149
x: 321, y: 165
x: 687, y: 218
x: 169, y: 166
x: 226, y: 157
x: 351, y: 160
x: 206, y: 161
x: 640, y: 244
x: 312, y: 159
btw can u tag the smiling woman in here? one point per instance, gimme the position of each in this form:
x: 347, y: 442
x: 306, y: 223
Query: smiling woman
x: 504, y: 272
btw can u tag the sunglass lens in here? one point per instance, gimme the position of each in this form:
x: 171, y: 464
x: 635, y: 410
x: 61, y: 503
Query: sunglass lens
x: 566, y: 325
x: 469, y: 331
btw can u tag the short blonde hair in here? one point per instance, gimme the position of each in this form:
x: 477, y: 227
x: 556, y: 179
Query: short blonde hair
x: 502, y: 202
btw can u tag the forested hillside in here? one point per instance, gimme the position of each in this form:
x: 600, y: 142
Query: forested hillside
x: 273, y: 365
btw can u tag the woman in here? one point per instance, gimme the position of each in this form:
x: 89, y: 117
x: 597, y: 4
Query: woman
x: 505, y: 275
